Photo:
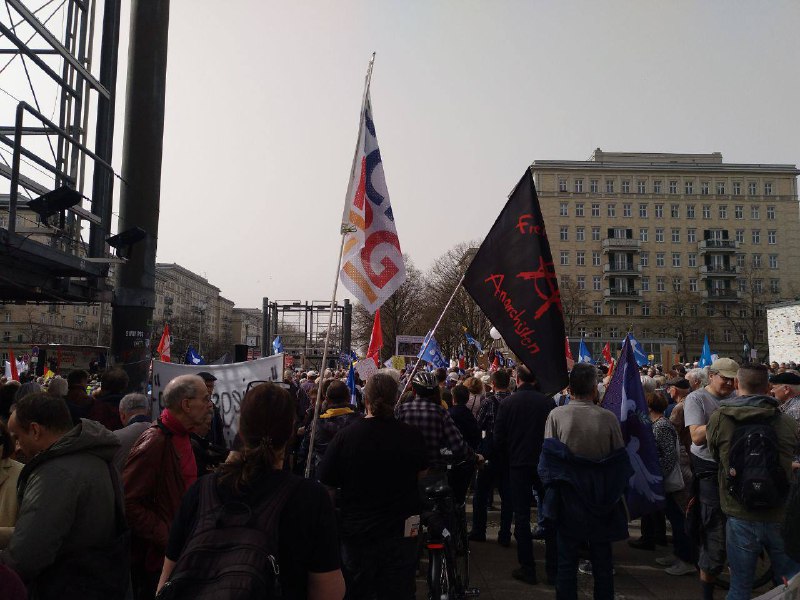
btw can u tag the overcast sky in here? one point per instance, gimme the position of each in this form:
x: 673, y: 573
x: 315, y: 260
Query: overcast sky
x: 263, y: 102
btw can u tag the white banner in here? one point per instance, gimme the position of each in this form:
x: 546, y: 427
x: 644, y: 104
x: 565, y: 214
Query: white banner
x: 229, y: 388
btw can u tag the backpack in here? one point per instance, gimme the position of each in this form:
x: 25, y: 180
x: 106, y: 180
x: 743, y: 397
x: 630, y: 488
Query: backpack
x: 232, y: 551
x: 755, y: 477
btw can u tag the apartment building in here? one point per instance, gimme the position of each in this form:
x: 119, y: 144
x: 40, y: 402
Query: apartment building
x: 671, y: 246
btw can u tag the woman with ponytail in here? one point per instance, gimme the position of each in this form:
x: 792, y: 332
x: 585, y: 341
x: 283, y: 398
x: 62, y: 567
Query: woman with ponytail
x: 308, y: 547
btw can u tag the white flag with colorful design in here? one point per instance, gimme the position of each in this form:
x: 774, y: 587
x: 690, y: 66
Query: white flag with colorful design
x: 372, y: 262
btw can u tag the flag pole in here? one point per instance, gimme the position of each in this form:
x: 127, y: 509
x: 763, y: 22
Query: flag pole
x: 344, y: 231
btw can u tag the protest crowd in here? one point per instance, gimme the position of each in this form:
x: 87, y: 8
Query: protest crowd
x: 98, y: 500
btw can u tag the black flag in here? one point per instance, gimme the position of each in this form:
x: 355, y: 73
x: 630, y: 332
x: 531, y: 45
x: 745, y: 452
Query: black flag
x: 513, y: 280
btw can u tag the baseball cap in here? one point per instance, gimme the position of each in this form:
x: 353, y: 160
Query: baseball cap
x: 206, y: 376
x: 727, y: 367
x: 678, y: 382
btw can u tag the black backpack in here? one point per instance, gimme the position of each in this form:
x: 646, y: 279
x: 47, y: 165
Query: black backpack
x: 232, y: 551
x: 755, y: 477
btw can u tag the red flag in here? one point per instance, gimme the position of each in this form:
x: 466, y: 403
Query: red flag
x: 567, y: 350
x: 608, y: 358
x: 163, y: 345
x: 376, y: 340
x: 13, y: 361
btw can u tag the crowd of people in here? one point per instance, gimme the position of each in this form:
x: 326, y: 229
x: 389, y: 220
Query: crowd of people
x: 99, y: 500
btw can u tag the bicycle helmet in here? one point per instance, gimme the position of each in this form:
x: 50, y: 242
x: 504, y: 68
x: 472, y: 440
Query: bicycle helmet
x: 424, y: 383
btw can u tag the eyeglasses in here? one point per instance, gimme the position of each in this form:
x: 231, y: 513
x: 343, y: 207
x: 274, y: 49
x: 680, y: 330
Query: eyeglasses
x: 727, y: 379
x: 258, y: 382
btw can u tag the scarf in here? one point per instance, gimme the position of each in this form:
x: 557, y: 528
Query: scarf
x: 183, y: 446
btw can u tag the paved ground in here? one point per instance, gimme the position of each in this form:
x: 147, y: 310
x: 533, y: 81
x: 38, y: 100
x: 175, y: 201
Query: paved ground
x: 638, y: 577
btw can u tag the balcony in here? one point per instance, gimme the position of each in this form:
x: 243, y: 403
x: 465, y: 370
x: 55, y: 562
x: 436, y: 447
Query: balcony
x: 612, y: 244
x: 628, y: 295
x: 719, y: 271
x: 718, y: 246
x: 615, y: 270
x: 721, y: 295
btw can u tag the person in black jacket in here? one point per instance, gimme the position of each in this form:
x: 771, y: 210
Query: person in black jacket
x: 460, y: 475
x: 518, y: 437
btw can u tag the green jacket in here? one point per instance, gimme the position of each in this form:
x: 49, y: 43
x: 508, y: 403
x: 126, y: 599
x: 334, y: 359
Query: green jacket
x: 719, y: 431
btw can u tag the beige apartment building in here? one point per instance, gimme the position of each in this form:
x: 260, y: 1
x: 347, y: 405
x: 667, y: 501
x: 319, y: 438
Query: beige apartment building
x: 672, y: 247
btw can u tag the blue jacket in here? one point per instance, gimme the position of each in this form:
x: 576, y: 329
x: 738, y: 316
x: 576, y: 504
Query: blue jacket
x: 584, y: 498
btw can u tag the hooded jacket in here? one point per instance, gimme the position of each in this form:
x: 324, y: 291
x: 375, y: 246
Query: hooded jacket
x: 749, y: 409
x: 66, y: 504
x: 583, y: 497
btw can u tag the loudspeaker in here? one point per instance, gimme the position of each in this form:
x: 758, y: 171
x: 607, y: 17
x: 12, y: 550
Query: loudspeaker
x: 240, y: 352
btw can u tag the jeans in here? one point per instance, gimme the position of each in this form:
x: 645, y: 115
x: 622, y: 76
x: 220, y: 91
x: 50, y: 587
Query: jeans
x: 488, y: 477
x: 380, y: 569
x: 522, y: 481
x: 745, y: 542
x: 602, y: 568
x: 681, y: 544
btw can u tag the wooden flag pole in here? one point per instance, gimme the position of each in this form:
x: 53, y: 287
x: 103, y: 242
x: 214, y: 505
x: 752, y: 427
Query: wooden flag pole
x: 345, y: 231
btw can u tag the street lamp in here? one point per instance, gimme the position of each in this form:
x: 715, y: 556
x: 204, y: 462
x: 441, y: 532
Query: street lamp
x: 200, y: 308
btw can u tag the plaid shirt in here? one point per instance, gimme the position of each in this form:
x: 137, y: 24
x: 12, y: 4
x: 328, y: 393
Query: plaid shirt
x: 436, y: 426
x: 488, y: 410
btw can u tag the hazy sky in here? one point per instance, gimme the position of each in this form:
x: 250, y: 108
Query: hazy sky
x: 263, y: 103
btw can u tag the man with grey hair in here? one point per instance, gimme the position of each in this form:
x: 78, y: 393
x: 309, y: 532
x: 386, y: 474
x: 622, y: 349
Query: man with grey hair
x: 135, y: 415
x: 697, y: 378
x: 159, y: 469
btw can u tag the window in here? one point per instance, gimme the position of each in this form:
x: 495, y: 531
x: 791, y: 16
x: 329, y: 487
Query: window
x: 659, y: 259
x: 579, y: 209
x: 581, y: 282
x: 723, y: 211
x: 578, y: 186
x: 756, y: 261
x: 582, y: 331
x: 596, y: 283
x: 662, y: 309
x: 642, y: 211
x: 676, y: 259
x: 720, y: 188
x: 657, y: 186
x: 703, y: 188
x: 626, y: 209
x: 692, y: 260
x: 646, y: 309
x: 758, y: 285
x: 640, y: 186
x: 689, y: 188
x: 609, y: 186
x: 595, y: 234
x: 595, y: 258
x: 739, y: 235
x: 770, y: 213
x: 768, y: 189
x: 673, y: 187
x: 612, y: 309
x: 645, y: 284
x: 659, y: 211
x: 692, y: 284
x: 564, y: 233
x: 754, y: 213
x: 676, y: 235
x: 675, y: 211
x: 580, y: 258
x: 593, y: 186
x: 737, y: 188
x: 595, y: 209
x: 598, y: 310
x: 612, y: 209
x: 756, y: 236
x: 626, y: 187
x: 643, y: 234
x: 598, y: 331
x: 773, y: 261
x: 740, y: 258
x: 629, y: 309
x: 774, y: 286
x: 726, y: 335
x: 772, y: 237
x: 706, y: 211
x: 613, y: 332
x: 660, y: 284
x: 564, y: 258
x: 738, y: 212
x: 691, y: 235
x: 580, y: 234
x: 659, y: 234
x: 562, y: 185
x: 751, y: 188
x: 644, y: 258
x: 563, y: 209
x: 742, y: 287
x: 690, y: 211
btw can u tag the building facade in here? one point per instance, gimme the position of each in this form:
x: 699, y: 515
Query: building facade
x: 671, y: 246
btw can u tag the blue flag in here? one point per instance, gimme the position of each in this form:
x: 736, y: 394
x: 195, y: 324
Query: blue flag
x: 625, y: 398
x: 277, y: 345
x: 433, y: 354
x: 193, y: 358
x: 583, y: 354
x: 351, y: 383
x: 473, y: 341
x: 638, y: 352
x: 705, y: 357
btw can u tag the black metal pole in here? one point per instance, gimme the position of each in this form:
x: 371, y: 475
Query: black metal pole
x: 266, y: 342
x: 134, y: 299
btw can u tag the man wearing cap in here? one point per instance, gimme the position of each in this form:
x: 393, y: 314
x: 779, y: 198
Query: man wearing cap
x: 677, y: 389
x: 786, y: 390
x: 698, y: 408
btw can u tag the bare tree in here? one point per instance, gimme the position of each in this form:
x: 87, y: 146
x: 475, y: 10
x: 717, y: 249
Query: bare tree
x: 680, y: 313
x: 575, y: 302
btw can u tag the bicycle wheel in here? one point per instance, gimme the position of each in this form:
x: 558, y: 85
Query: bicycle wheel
x: 438, y: 580
x: 763, y: 574
x: 461, y: 551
